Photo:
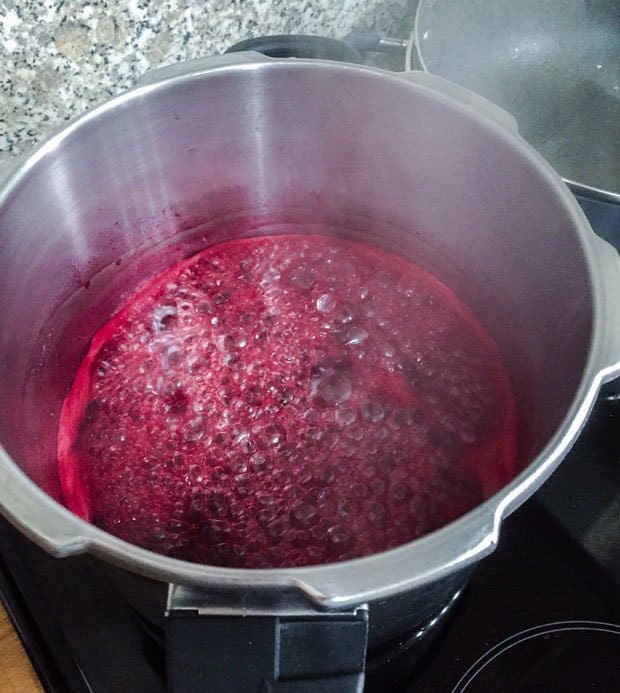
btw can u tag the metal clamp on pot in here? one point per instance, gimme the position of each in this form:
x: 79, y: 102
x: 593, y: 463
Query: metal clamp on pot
x: 271, y: 644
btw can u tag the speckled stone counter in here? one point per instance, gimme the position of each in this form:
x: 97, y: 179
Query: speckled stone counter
x: 57, y: 58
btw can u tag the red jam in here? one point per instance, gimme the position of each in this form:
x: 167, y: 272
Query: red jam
x: 286, y: 401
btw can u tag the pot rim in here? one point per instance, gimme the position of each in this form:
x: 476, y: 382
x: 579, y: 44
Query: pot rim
x: 342, y: 584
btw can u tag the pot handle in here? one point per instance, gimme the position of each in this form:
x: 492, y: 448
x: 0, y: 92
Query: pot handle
x: 299, y: 46
x: 159, y: 74
x: 285, y: 646
x: 465, y: 96
x: 374, y: 42
x: 609, y: 266
x: 349, y: 49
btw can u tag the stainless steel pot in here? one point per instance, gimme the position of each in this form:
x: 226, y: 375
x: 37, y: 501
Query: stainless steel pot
x: 408, y: 161
x: 554, y: 65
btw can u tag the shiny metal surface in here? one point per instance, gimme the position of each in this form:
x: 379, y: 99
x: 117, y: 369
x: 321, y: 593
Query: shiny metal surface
x: 553, y: 64
x: 148, y: 177
x: 182, y: 598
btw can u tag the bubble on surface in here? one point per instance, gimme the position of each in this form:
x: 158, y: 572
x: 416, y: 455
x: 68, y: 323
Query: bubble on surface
x: 348, y: 509
x: 163, y: 317
x: 339, y: 537
x: 334, y: 387
x: 400, y: 492
x: 219, y: 504
x: 355, y: 433
x: 172, y: 356
x: 287, y: 395
x: 303, y: 514
x: 193, y: 431
x: 325, y: 303
x: 355, y: 336
x: 344, y: 314
x: 386, y: 349
x: 302, y: 277
x: 258, y: 461
x: 373, y: 411
x: 273, y: 435
x: 377, y: 516
x: 221, y: 297
x: 345, y: 416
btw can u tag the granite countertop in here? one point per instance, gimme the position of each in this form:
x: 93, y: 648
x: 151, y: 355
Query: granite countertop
x: 60, y: 57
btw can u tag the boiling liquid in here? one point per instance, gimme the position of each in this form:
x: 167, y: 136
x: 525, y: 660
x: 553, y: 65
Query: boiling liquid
x: 286, y: 401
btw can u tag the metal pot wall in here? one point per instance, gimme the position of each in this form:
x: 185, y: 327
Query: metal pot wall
x: 407, y: 161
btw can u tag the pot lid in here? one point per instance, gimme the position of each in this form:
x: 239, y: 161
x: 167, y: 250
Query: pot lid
x: 557, y: 73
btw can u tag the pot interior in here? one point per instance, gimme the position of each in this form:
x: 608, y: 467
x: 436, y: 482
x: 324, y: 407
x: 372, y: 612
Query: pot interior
x: 161, y: 173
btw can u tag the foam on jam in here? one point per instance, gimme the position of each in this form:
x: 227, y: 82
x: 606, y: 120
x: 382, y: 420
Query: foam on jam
x: 285, y: 401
